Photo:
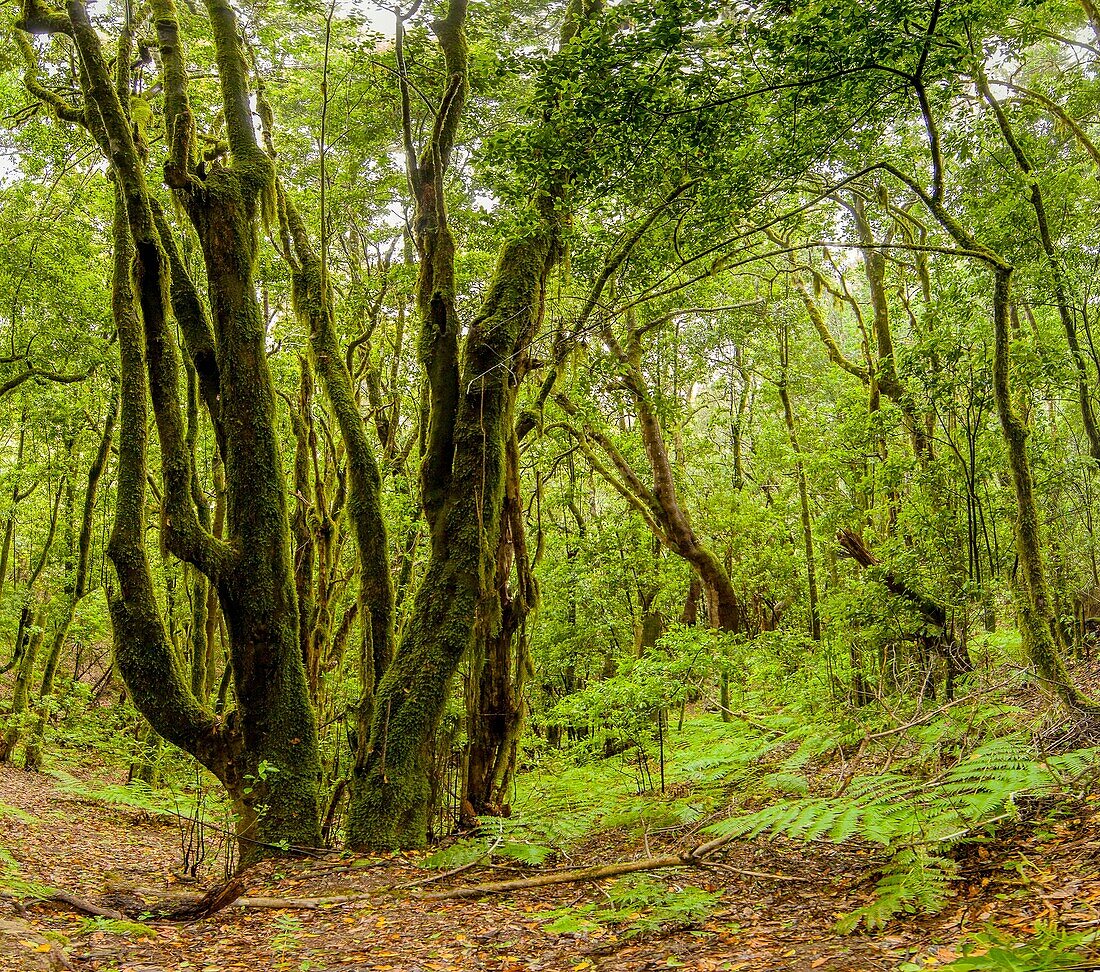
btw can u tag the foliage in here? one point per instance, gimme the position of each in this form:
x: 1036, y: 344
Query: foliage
x: 493, y: 843
x: 918, y: 820
x: 638, y: 905
x: 762, y: 320
x: 1048, y: 949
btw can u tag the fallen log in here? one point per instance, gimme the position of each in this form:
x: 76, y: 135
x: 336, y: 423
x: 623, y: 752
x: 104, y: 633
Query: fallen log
x: 230, y: 896
x: 299, y: 904
x: 564, y: 877
x: 695, y: 857
x: 193, y: 910
x: 179, y: 908
x: 939, y: 638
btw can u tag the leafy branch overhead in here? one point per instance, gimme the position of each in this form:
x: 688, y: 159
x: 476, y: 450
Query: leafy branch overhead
x: 635, y: 460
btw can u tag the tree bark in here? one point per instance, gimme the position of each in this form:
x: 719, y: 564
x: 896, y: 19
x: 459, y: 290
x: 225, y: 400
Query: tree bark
x: 391, y: 807
x: 265, y: 752
x: 499, y: 661
x: 804, y: 508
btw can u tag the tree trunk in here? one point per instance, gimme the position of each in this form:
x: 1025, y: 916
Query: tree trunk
x: 933, y: 613
x: 266, y: 751
x: 29, y: 636
x: 390, y: 807
x: 1038, y: 626
x: 804, y: 507
x: 33, y: 751
x: 500, y: 662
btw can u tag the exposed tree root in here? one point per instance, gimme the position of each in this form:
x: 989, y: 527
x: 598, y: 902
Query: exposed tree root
x: 132, y: 907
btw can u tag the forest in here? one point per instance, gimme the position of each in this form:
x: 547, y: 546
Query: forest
x: 591, y: 484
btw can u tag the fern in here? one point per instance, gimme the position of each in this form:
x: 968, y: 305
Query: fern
x: 6, y: 810
x: 637, y: 905
x: 469, y: 850
x: 917, y: 821
x: 913, y: 880
x: 1048, y: 950
x: 14, y: 884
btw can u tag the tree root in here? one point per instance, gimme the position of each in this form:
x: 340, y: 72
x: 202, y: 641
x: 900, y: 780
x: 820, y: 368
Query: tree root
x: 191, y: 908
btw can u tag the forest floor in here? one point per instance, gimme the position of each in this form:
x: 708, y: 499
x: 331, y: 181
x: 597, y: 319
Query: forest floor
x: 779, y: 918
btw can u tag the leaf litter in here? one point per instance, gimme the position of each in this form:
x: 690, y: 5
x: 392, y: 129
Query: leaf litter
x: 1024, y: 882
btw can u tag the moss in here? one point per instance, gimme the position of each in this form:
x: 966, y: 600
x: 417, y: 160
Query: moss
x: 390, y: 802
x: 1038, y: 625
x: 273, y: 738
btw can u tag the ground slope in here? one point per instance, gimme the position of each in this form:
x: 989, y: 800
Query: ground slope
x: 779, y: 918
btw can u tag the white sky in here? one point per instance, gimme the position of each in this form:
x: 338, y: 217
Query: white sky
x: 378, y: 17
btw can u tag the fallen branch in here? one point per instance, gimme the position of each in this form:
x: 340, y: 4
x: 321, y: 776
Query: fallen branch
x: 298, y: 904
x: 760, y: 874
x: 84, y: 906
x: 188, y: 908
x: 695, y: 857
x: 565, y: 877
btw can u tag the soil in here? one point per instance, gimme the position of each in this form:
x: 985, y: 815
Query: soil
x: 1030, y: 877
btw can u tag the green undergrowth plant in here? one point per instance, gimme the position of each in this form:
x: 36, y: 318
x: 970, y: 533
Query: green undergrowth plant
x: 918, y: 780
x: 17, y: 813
x: 1048, y: 950
x: 135, y: 794
x: 919, y: 818
x: 14, y: 884
x: 564, y: 801
x: 637, y: 905
x: 505, y: 839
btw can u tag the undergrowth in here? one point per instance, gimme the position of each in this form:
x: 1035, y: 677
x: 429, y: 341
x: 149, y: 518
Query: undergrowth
x: 1048, y: 950
x: 637, y: 905
x: 917, y: 784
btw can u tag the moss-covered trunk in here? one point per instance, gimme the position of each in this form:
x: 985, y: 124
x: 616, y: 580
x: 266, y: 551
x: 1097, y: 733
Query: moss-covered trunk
x: 391, y: 804
x: 257, y: 590
x: 29, y: 636
x: 265, y: 752
x: 1038, y: 623
x: 500, y: 661
x: 143, y: 652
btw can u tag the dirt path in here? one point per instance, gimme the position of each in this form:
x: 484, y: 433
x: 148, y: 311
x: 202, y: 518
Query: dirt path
x: 97, y: 850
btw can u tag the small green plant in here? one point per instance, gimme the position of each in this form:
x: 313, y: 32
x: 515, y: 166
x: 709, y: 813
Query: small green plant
x: 509, y: 839
x: 574, y: 922
x: 1047, y: 951
x: 637, y: 905
x: 918, y: 820
x: 286, y: 938
x: 115, y: 926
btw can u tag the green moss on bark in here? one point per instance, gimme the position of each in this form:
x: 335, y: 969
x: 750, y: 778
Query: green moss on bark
x: 390, y: 801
